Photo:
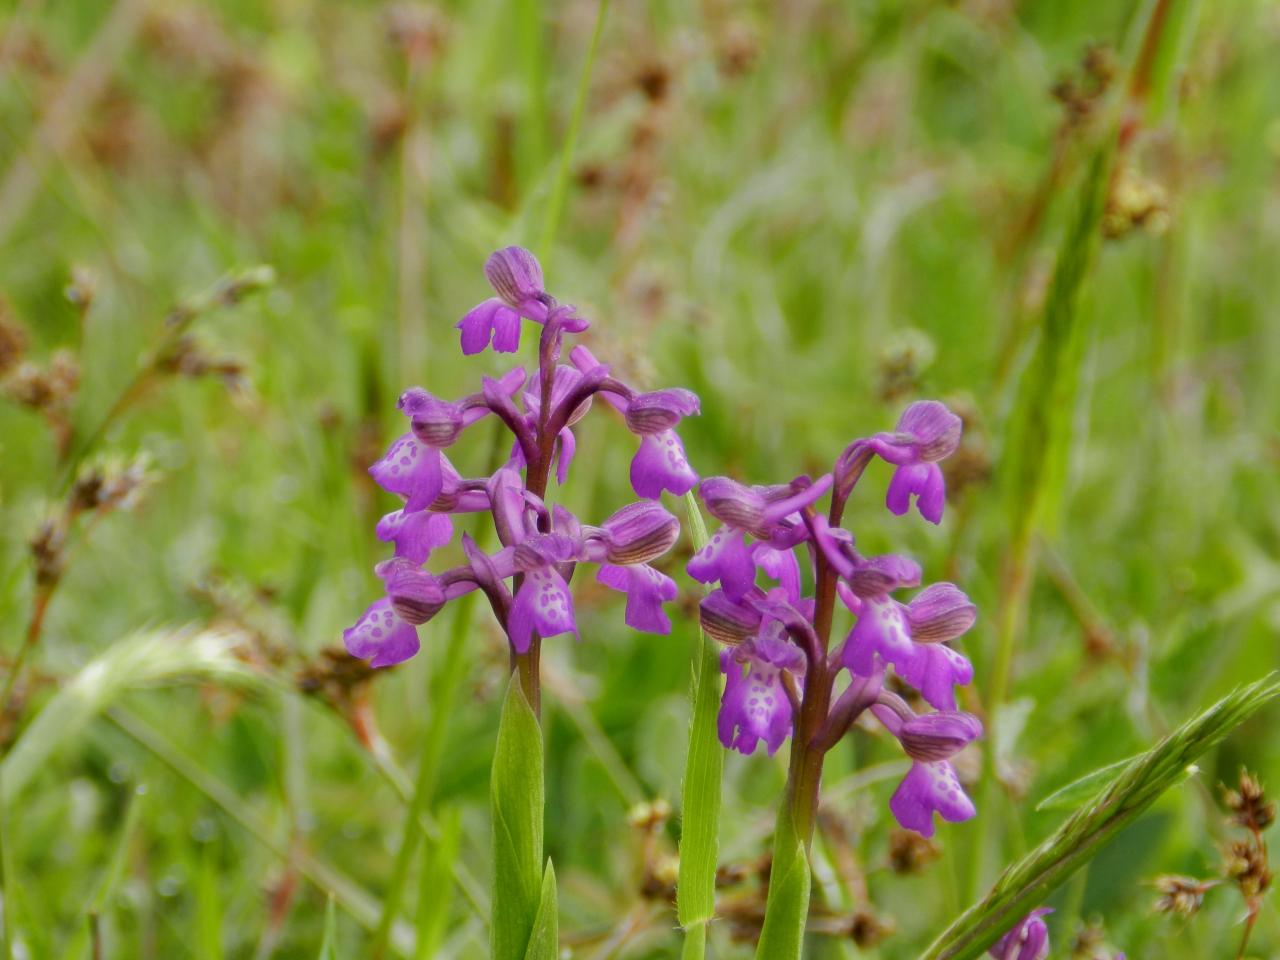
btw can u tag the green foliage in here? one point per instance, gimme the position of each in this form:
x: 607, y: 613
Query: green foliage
x: 520, y: 899
x: 810, y: 214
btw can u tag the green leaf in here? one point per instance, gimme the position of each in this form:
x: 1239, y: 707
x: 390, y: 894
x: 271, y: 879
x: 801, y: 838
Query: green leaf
x: 516, y: 803
x: 704, y: 765
x: 1077, y: 791
x: 787, y: 908
x: 544, y: 942
x: 1027, y: 883
x: 329, y: 946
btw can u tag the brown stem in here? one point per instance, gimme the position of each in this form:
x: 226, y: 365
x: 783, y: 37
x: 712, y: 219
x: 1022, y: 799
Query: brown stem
x: 35, y: 625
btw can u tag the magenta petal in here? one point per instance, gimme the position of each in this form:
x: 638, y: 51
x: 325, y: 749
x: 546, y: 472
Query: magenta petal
x: 930, y: 787
x: 660, y: 464
x: 726, y: 559
x: 506, y: 330
x: 415, y: 535
x: 1028, y: 940
x: 413, y: 470
x: 754, y: 706
x: 381, y: 637
x: 542, y: 605
x: 935, y: 669
x: 478, y: 324
x: 646, y: 589
x: 923, y: 481
x: 882, y: 629
x: 781, y: 565
x: 568, y: 444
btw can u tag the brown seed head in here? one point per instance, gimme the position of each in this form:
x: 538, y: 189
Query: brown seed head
x: 1248, y: 804
x: 911, y: 853
x: 1181, y: 895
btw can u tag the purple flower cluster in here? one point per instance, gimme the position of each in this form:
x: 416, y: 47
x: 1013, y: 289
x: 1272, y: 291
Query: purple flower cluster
x: 781, y: 676
x: 540, y: 543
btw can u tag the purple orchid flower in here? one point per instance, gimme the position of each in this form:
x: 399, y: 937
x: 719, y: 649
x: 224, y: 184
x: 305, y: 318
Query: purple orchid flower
x: 742, y: 510
x: 516, y: 276
x: 930, y: 740
x: 756, y: 705
x: 926, y: 433
x: 781, y: 671
x: 526, y: 580
x: 660, y: 463
x: 911, y: 637
x: 1028, y: 940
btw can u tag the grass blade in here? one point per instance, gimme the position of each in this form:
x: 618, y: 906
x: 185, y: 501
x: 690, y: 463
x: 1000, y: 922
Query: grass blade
x: 444, y: 696
x: 704, y: 765
x: 329, y: 947
x: 328, y: 879
x: 1082, y: 789
x: 439, y: 858
x: 555, y: 203
x: 1027, y: 883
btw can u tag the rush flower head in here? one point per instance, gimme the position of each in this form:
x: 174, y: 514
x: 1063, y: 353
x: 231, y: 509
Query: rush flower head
x: 527, y: 578
x: 1029, y: 940
x: 780, y: 666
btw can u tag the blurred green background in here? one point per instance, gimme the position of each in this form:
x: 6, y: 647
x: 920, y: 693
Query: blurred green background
x: 810, y: 213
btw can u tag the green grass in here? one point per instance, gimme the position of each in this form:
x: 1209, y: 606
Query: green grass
x: 810, y: 214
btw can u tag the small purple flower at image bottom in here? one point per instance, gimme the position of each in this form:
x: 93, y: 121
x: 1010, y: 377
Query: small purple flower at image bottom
x: 1028, y: 940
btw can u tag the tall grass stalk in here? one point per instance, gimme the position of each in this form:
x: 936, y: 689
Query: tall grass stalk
x: 444, y: 697
x: 700, y: 795
x: 1027, y: 883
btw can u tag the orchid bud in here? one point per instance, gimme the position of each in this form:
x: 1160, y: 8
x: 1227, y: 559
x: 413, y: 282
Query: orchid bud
x: 938, y: 736
x: 640, y: 532
x: 726, y: 621
x: 436, y: 422
x: 932, y: 428
x: 732, y: 503
x: 661, y: 410
x: 939, y: 613
x: 878, y: 576
x: 516, y: 276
